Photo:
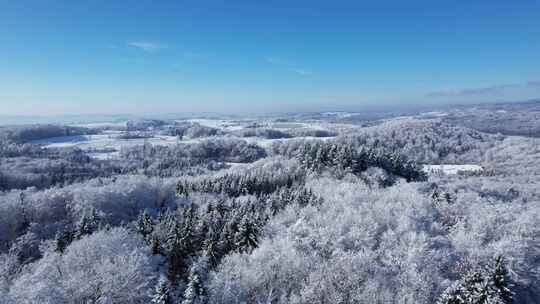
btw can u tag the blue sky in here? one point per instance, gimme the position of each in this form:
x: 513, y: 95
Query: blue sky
x: 81, y: 57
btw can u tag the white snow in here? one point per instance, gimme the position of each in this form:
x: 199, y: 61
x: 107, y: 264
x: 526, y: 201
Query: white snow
x: 340, y: 114
x: 435, y: 113
x: 265, y: 143
x: 451, y: 169
x: 102, y: 125
x: 103, y: 142
x: 222, y: 124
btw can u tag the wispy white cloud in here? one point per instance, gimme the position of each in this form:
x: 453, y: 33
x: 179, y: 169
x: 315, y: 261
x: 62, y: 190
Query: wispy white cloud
x: 489, y: 90
x: 292, y: 67
x: 300, y: 71
x: 147, y: 46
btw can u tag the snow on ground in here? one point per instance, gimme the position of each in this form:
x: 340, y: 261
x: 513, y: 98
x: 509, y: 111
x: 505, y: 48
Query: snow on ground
x: 234, y: 125
x: 108, y: 144
x: 314, y: 125
x: 451, y: 169
x: 434, y: 113
x: 104, y: 155
x: 236, y: 165
x: 340, y: 114
x: 398, y: 118
x: 265, y: 143
x: 214, y: 123
x: 101, y: 125
x: 227, y: 125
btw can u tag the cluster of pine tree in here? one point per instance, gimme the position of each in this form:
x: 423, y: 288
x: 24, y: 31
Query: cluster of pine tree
x: 341, y: 158
x: 194, y: 240
x: 88, y: 224
x: 256, y: 182
x: 490, y: 286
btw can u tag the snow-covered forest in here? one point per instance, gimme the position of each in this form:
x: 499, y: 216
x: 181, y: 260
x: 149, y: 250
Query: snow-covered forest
x: 428, y: 207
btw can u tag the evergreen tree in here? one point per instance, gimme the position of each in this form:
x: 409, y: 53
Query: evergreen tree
x: 247, y: 236
x: 489, y: 287
x: 195, y: 292
x: 182, y: 189
x: 181, y: 245
x: 188, y: 235
x: 176, y: 254
x: 469, y: 290
x: 211, y: 247
x: 88, y: 224
x: 226, y: 238
x: 144, y: 225
x: 155, y: 245
x: 501, y: 281
x: 162, y: 294
x: 63, y: 239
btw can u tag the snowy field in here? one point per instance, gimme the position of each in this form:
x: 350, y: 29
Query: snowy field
x: 451, y: 169
x: 109, y: 143
x: 222, y: 124
x: 103, y: 146
x: 265, y: 143
x: 103, y: 125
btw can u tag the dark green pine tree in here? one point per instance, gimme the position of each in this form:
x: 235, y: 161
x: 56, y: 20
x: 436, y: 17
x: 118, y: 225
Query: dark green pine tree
x: 489, y: 287
x: 501, y: 282
x: 188, y: 236
x: 162, y: 294
x: 212, y: 247
x: 155, y: 245
x: 247, y: 236
x: 182, y: 189
x: 273, y: 203
x: 63, y: 239
x: 144, y: 225
x: 195, y: 292
x: 88, y: 224
x: 226, y: 237
x: 175, y: 254
x: 320, y: 160
x: 466, y: 291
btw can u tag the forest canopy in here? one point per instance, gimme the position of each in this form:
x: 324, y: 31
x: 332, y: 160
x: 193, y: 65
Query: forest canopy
x: 272, y: 212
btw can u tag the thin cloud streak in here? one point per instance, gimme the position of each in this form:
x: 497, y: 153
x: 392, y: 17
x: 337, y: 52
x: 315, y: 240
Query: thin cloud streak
x: 300, y: 71
x: 147, y: 46
x: 287, y: 64
x: 490, y: 90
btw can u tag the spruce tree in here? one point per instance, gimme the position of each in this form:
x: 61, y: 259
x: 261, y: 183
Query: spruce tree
x: 195, y: 292
x: 162, y: 294
x: 144, y: 225
x: 247, y: 236
x: 466, y: 291
x: 88, y: 224
x: 488, y: 287
x: 63, y: 240
x: 188, y: 235
x: 155, y: 245
x: 177, y: 253
x: 501, y: 282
